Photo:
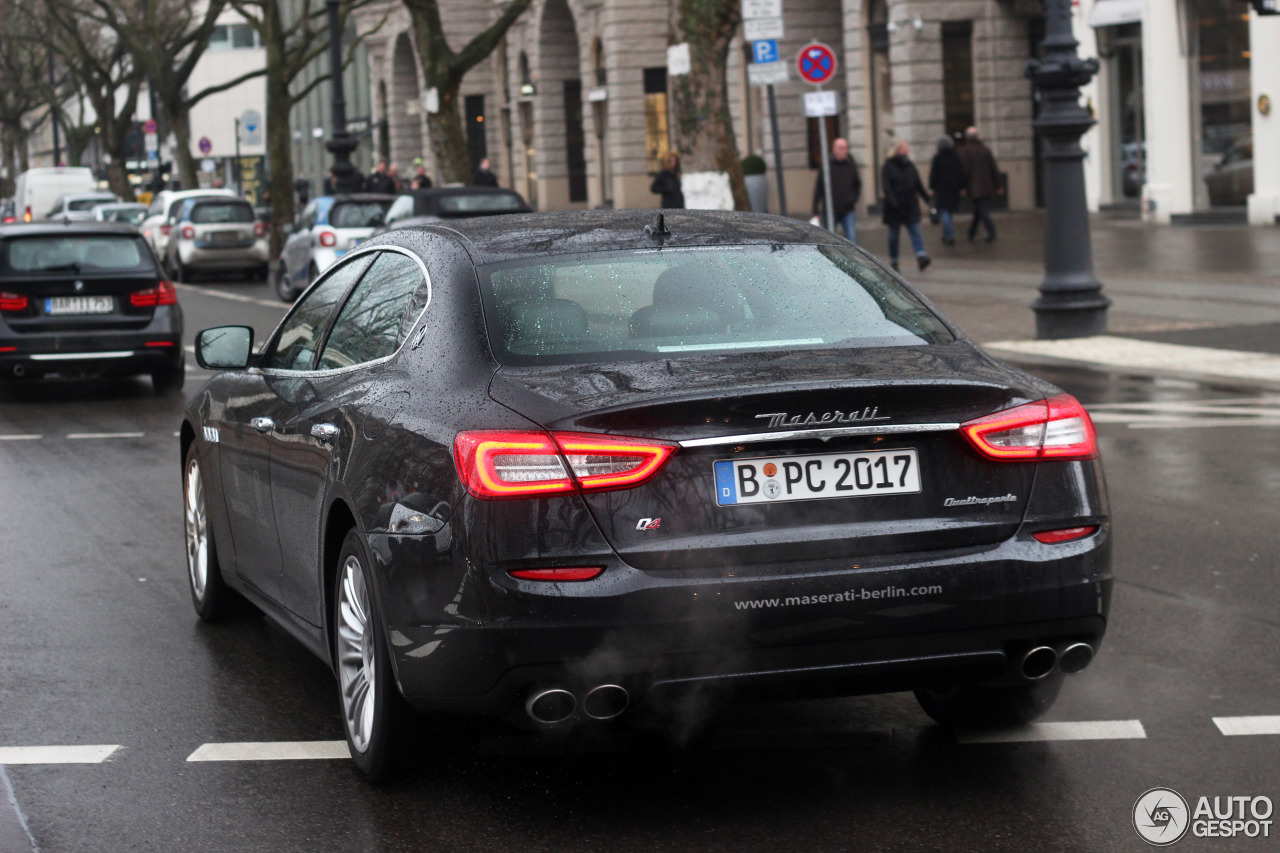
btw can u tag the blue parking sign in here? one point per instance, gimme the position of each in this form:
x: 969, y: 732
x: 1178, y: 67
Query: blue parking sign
x: 765, y: 50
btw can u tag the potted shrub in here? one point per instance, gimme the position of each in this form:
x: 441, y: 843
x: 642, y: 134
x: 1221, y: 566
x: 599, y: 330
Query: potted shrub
x: 753, y: 174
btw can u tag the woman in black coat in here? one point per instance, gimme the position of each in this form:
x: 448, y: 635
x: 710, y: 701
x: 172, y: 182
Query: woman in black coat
x: 947, y: 179
x: 902, y: 185
x: 667, y: 182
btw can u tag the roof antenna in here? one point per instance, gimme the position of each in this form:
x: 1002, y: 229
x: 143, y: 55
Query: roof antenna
x: 657, y: 230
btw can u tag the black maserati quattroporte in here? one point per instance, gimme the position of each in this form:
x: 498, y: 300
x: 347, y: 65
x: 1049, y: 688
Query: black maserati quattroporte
x: 573, y: 467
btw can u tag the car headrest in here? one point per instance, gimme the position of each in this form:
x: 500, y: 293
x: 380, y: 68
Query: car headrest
x: 674, y: 321
x: 548, y: 319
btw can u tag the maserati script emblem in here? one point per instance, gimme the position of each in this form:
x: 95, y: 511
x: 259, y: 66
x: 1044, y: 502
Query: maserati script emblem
x: 782, y: 419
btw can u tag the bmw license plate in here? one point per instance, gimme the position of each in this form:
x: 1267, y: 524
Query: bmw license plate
x: 79, y: 305
x: 805, y: 478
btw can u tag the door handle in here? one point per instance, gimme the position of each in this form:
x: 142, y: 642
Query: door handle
x: 262, y: 424
x: 325, y: 432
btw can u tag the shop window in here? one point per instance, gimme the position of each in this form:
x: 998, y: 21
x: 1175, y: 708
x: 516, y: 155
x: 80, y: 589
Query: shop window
x: 957, y: 75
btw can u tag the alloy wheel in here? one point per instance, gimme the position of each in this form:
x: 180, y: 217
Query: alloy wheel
x: 357, y: 660
x: 197, y: 530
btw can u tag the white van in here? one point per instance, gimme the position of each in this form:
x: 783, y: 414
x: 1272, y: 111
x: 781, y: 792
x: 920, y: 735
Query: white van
x: 37, y: 190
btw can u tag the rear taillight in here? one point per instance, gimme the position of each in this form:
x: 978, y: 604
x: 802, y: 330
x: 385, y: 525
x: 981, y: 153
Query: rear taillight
x: 26, y: 215
x: 259, y: 230
x: 165, y: 229
x: 328, y: 239
x: 162, y: 294
x: 188, y: 233
x: 13, y: 302
x: 1066, y: 534
x: 9, y: 220
x: 1057, y: 428
x: 574, y: 573
x: 496, y: 464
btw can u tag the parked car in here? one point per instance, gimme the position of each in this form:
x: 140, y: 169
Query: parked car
x: 328, y: 227
x: 421, y: 207
x: 127, y: 212
x: 36, y: 190
x: 78, y: 207
x: 164, y: 208
x: 558, y: 467
x: 86, y: 299
x: 1230, y: 182
x: 217, y: 235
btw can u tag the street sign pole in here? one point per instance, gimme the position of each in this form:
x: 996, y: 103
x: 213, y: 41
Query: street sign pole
x: 235, y: 170
x: 817, y: 64
x: 777, y: 151
x: 826, y: 172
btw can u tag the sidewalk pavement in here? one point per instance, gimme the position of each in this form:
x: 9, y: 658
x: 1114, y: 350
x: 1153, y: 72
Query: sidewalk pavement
x: 1197, y: 302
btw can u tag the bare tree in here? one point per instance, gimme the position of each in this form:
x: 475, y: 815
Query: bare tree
x: 444, y: 70
x: 700, y: 99
x: 22, y: 56
x: 292, y: 42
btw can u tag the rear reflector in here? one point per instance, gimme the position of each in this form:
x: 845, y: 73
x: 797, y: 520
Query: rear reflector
x: 162, y: 294
x: 1066, y: 534
x: 585, y: 573
x: 13, y: 302
x: 160, y: 343
x: 259, y: 230
x: 1057, y: 428
x: 495, y: 464
x: 188, y: 233
x: 8, y: 349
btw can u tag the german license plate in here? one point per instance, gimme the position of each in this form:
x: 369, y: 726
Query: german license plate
x: 806, y: 478
x: 79, y: 305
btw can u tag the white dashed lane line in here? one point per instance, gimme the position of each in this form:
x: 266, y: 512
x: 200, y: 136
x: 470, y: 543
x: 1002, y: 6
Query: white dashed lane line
x: 1102, y: 730
x: 57, y: 754
x: 20, y: 437
x: 82, y: 435
x: 1231, y: 726
x: 271, y: 751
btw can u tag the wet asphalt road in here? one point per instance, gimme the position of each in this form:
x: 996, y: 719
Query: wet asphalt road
x: 99, y: 645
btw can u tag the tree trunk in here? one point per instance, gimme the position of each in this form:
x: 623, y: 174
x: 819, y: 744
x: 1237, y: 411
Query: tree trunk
x: 703, y: 128
x: 448, y: 139
x: 279, y: 152
x: 9, y: 159
x: 179, y: 120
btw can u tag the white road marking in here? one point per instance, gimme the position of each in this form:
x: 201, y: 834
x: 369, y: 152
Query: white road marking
x: 1101, y: 730
x: 80, y: 435
x: 1171, y: 414
x: 20, y: 437
x: 190, y: 349
x: 271, y: 751
x: 1248, y: 725
x: 57, y: 754
x: 235, y: 297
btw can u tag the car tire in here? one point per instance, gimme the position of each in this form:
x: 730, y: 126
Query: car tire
x: 373, y: 711
x: 992, y: 705
x: 283, y: 290
x: 209, y: 594
x: 262, y: 274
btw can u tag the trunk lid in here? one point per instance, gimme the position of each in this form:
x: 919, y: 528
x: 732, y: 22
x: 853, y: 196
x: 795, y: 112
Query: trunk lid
x: 765, y: 407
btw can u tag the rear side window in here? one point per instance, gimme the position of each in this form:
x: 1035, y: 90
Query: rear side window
x: 207, y: 213
x: 400, y: 208
x: 660, y: 303
x: 295, y: 346
x: 86, y: 253
x: 378, y: 315
x: 365, y: 214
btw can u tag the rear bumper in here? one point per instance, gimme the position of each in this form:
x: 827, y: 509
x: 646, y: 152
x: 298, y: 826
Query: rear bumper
x: 105, y: 353
x: 893, y: 625
x: 239, y: 258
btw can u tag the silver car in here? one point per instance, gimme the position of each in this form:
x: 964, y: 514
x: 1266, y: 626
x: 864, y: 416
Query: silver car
x: 328, y: 227
x: 217, y: 235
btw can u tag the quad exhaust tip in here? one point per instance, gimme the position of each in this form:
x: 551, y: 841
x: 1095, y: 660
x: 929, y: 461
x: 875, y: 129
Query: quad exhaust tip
x: 1075, y: 657
x: 551, y: 706
x: 606, y: 702
x: 1037, y: 662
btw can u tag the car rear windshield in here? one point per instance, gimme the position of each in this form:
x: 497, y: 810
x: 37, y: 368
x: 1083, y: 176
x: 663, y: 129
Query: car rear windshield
x: 207, y: 213
x: 663, y: 303
x: 464, y: 204
x: 364, y: 214
x: 76, y: 253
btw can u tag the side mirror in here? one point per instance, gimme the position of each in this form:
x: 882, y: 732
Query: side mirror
x: 224, y: 347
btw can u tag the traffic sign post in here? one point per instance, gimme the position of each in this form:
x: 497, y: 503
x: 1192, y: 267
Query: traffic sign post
x: 817, y: 64
x: 205, y: 145
x: 762, y: 26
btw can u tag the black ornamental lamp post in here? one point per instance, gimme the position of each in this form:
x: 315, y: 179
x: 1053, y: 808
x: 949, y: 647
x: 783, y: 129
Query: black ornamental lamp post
x: 340, y: 144
x: 1071, y: 304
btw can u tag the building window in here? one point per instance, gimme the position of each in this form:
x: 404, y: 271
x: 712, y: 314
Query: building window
x: 957, y: 75
x: 233, y: 37
x: 656, y: 139
x: 477, y: 146
x: 575, y: 139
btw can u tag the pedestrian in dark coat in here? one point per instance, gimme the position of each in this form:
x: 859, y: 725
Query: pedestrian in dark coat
x: 667, y: 182
x: 846, y: 187
x: 484, y: 176
x: 984, y: 182
x: 903, y: 190
x: 947, y: 178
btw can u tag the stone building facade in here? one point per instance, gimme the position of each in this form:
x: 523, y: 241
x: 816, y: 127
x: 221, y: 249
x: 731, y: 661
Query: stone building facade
x: 572, y: 110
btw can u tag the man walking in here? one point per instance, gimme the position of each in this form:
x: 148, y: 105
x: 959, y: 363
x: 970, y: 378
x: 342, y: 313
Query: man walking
x: 846, y: 186
x: 484, y: 176
x: 984, y: 182
x: 380, y: 181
